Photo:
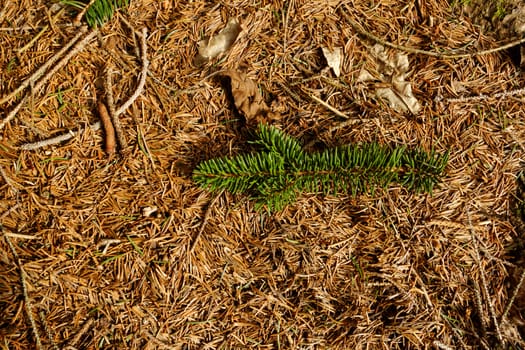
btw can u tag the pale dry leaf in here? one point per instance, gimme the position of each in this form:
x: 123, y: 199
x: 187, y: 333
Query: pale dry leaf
x: 393, y: 72
x: 148, y: 211
x: 516, y: 19
x: 333, y: 58
x: 365, y: 76
x: 457, y: 86
x: 212, y: 47
x: 248, y: 99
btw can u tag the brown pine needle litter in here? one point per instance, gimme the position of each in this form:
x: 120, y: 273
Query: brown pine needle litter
x: 392, y: 270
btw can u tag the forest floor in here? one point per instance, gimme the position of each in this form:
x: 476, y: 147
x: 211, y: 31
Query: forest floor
x: 123, y: 250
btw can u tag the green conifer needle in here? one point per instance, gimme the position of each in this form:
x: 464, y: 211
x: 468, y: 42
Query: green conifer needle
x: 99, y: 11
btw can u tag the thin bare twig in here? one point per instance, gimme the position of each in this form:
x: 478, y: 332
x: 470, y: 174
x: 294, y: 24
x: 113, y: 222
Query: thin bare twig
x: 27, y: 301
x: 326, y: 105
x: 34, y: 77
x: 486, y: 97
x: 77, y: 48
x: 19, y: 235
x: 11, y: 115
x: 143, y: 75
x: 32, y: 41
x: 80, y: 333
x: 106, y: 242
x: 122, y: 109
x: 9, y: 211
x: 479, y: 308
x: 8, y: 180
x: 425, y: 52
x: 58, y: 139
x: 205, y: 220
x: 48, y: 330
x: 513, y: 297
x: 484, y: 284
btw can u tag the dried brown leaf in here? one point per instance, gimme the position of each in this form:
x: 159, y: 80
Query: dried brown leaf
x: 248, y: 99
x: 393, y: 72
x: 214, y: 46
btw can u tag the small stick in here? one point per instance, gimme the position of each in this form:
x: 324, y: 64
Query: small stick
x: 9, y: 211
x: 484, y: 281
x: 425, y: 52
x: 39, y: 34
x: 80, y: 333
x: 44, y: 67
x: 11, y: 115
x: 32, y: 41
x: 486, y: 97
x: 513, y: 297
x: 19, y: 235
x: 54, y: 140
x: 336, y: 111
x: 143, y: 75
x: 479, y: 308
x: 7, y: 179
x: 205, y: 220
x: 48, y: 330
x: 121, y: 137
x: 78, y: 47
x: 95, y: 126
x: 111, y: 143
x: 28, y: 303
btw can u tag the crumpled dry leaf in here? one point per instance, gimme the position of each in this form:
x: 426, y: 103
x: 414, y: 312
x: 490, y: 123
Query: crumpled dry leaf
x: 333, y: 58
x: 393, y: 72
x: 212, y: 47
x: 516, y: 20
x: 248, y: 100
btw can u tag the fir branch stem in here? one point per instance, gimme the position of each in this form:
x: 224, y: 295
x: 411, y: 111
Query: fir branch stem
x: 281, y: 169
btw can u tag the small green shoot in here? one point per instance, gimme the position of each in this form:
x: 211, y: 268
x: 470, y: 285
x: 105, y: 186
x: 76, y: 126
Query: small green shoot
x: 99, y: 12
x: 135, y: 246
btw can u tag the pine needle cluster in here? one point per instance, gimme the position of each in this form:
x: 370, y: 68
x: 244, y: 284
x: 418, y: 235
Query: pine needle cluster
x: 99, y: 11
x: 281, y: 169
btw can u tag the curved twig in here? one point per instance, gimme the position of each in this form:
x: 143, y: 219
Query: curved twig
x: 425, y: 52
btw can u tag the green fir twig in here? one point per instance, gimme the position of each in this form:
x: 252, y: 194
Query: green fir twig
x: 281, y: 169
x: 98, y: 11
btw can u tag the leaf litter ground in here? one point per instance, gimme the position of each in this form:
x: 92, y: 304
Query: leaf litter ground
x: 108, y: 245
